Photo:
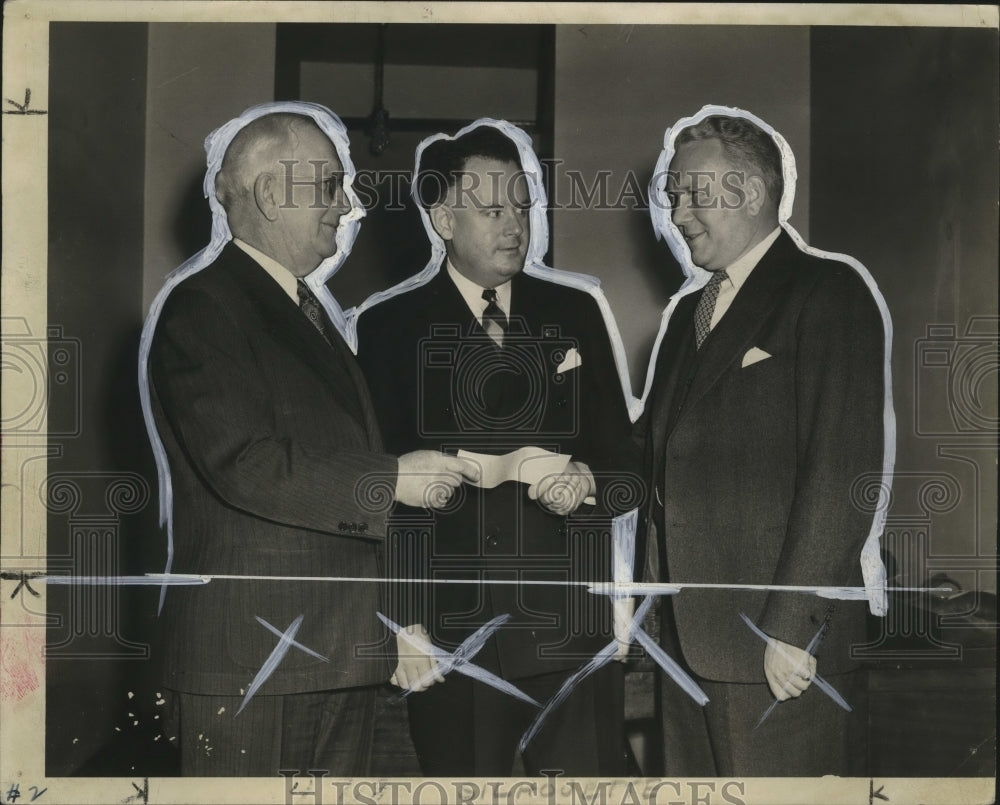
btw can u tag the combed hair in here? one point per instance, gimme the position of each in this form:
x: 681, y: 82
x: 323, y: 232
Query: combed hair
x: 244, y: 157
x: 443, y: 161
x: 749, y: 147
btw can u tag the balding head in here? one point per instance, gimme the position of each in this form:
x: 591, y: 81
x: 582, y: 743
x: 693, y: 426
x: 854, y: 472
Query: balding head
x: 257, y: 148
x: 280, y: 183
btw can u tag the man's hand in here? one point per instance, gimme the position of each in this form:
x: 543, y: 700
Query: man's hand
x: 562, y: 494
x: 428, y: 479
x: 623, y: 609
x: 413, y: 662
x: 789, y: 670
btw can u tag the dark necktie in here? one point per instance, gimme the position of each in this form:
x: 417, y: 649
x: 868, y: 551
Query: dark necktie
x: 494, y: 319
x: 706, y: 307
x: 311, y: 307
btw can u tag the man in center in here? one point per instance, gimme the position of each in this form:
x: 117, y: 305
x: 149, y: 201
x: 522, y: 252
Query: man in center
x: 486, y: 359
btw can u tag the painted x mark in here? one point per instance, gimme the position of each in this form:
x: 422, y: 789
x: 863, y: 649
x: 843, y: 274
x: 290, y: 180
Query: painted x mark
x: 817, y: 680
x: 606, y: 655
x: 285, y: 642
x: 459, y: 660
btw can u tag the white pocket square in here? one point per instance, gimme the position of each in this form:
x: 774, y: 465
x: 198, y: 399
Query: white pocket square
x: 754, y: 355
x: 571, y: 361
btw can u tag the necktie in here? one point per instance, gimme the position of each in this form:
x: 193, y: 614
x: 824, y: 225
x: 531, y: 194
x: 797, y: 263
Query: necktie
x: 706, y: 307
x: 349, y: 393
x: 494, y: 319
x: 311, y: 307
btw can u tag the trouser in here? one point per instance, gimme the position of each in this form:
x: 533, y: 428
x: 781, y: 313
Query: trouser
x: 804, y: 737
x: 329, y: 730
x: 807, y: 736
x: 461, y: 727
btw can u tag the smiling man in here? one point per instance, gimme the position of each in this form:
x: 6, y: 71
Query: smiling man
x: 271, y: 442
x: 485, y: 358
x: 767, y: 406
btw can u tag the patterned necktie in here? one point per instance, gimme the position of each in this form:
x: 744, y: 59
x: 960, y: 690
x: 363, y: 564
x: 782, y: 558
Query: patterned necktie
x: 706, y: 307
x: 311, y: 307
x: 494, y: 319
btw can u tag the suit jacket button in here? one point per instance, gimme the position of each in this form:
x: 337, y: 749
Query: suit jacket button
x: 492, y: 541
x: 447, y: 410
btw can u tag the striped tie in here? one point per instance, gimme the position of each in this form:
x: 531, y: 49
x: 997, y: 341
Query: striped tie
x: 494, y: 319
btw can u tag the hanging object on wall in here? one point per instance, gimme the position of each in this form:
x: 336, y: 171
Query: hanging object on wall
x: 377, y: 127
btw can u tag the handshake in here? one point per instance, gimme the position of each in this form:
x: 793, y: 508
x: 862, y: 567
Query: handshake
x: 428, y: 479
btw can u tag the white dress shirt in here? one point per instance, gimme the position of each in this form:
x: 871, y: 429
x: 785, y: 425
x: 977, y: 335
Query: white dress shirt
x: 281, y: 275
x: 736, y: 275
x: 473, y: 294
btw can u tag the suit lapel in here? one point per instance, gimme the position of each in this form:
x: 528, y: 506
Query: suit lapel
x: 736, y: 330
x: 526, y: 320
x: 670, y: 362
x: 360, y: 386
x: 287, y: 323
x: 453, y: 307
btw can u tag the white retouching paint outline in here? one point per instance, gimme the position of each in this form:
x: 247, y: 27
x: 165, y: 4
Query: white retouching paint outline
x: 286, y: 641
x: 614, y: 589
x: 538, y: 244
x: 872, y: 568
x: 628, y: 630
x: 605, y: 656
x: 459, y: 660
x: 814, y: 678
x: 216, y: 145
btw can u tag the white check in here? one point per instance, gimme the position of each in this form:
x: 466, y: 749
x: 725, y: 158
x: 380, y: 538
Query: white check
x: 528, y: 465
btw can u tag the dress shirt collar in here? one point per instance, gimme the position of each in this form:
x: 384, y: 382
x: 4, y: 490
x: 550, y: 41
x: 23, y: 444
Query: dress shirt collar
x: 473, y: 293
x: 281, y: 275
x: 740, y: 268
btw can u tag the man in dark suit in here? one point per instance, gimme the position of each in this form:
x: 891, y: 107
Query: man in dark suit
x: 485, y: 358
x: 767, y: 406
x: 277, y: 469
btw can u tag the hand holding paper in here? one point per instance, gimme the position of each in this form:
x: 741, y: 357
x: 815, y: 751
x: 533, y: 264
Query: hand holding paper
x: 428, y: 479
x: 563, y: 493
x: 566, y: 483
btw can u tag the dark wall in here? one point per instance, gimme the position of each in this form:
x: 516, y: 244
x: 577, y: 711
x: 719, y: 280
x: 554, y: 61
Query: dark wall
x: 904, y: 178
x: 900, y: 127
x: 101, y: 518
x: 617, y: 89
x: 199, y: 75
x: 436, y: 78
